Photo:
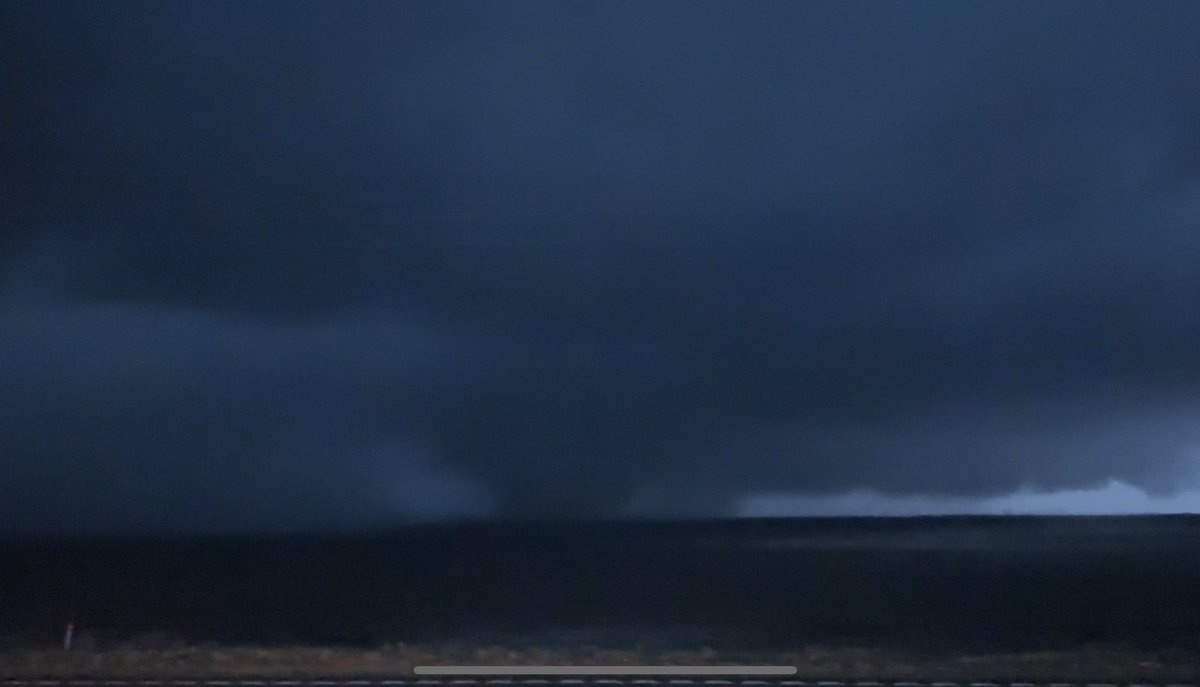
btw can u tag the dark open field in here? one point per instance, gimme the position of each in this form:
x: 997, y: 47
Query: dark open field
x: 923, y: 584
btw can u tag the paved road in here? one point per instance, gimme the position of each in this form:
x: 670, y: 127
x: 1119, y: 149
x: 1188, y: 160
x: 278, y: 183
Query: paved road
x: 549, y: 682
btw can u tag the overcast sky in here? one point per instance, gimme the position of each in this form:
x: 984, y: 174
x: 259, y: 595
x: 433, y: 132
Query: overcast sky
x: 295, y: 265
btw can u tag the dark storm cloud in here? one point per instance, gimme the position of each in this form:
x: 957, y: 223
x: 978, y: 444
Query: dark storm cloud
x: 595, y: 256
x: 124, y: 415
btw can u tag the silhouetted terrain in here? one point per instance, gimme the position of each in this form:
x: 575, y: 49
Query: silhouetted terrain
x: 763, y: 585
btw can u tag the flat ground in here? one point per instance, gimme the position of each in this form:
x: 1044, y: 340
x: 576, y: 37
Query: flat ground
x: 1091, y: 663
x: 922, y: 598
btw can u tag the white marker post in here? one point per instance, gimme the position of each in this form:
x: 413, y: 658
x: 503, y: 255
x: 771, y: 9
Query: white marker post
x: 68, y: 636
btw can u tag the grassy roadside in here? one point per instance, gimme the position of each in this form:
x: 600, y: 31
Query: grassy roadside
x: 1107, y: 663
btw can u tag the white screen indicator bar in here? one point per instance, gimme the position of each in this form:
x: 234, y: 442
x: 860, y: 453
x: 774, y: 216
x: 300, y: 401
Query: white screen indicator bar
x: 605, y: 670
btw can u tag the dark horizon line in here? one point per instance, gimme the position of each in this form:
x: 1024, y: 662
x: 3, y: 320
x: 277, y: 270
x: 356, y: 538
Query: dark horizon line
x: 398, y: 528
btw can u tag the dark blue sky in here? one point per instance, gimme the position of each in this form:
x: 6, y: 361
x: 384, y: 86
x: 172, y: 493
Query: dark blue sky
x: 268, y: 265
